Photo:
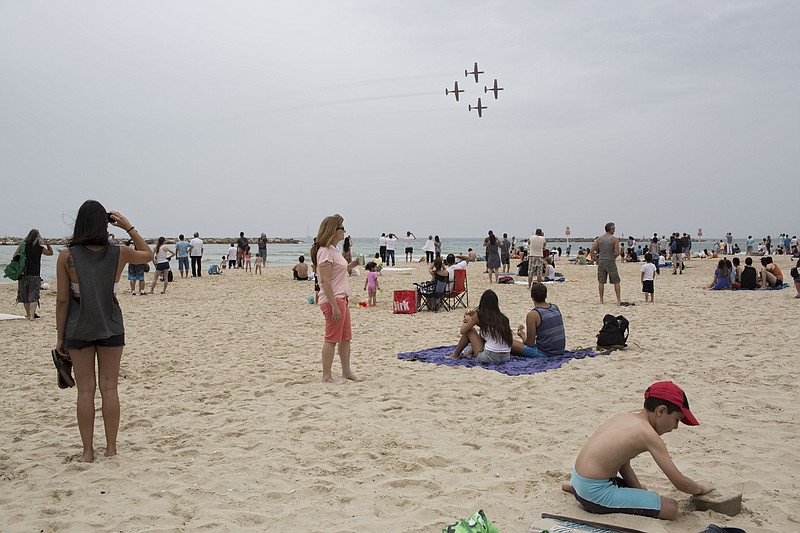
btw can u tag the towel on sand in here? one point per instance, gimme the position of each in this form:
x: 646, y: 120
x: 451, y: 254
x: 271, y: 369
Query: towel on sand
x: 515, y: 367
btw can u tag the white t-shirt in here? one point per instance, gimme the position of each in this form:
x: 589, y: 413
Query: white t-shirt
x: 551, y: 272
x: 430, y: 246
x: 495, y: 345
x: 649, y: 271
x: 536, y: 246
x: 461, y: 265
x: 381, y: 241
x: 231, y: 253
x: 410, y: 242
x: 197, y: 247
x: 390, y: 242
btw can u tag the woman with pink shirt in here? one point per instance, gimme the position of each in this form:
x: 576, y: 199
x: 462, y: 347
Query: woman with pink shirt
x: 331, y: 269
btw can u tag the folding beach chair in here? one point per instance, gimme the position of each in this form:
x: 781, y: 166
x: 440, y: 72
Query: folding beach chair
x: 430, y: 294
x: 458, y: 295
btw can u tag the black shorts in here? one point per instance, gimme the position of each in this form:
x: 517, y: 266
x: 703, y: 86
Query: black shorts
x: 163, y: 266
x: 409, y: 250
x: 116, y: 340
x: 647, y: 286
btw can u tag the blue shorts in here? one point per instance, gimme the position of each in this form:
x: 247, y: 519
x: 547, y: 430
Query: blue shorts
x: 603, y: 496
x: 183, y: 263
x: 529, y: 351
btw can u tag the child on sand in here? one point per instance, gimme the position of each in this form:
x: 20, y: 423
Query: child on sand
x: 224, y: 263
x: 371, y: 284
x: 247, y: 260
x: 259, y: 263
x: 609, y: 451
x: 648, y: 276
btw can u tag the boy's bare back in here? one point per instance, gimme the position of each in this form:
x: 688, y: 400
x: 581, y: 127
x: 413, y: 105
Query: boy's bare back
x: 618, y: 440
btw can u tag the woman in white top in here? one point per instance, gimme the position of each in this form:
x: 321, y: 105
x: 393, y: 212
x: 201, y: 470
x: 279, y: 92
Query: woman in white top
x: 492, y: 343
x: 161, y: 258
x: 429, y: 248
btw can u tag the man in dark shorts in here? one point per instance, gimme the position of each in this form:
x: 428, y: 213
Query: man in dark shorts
x: 241, y: 246
x: 30, y: 283
x: 604, y: 251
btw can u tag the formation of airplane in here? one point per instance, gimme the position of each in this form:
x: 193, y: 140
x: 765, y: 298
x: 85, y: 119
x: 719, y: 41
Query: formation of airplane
x: 494, y: 89
x: 474, y: 72
x: 479, y: 108
x: 455, y: 91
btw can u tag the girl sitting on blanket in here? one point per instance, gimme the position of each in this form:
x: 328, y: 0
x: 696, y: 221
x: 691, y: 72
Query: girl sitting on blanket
x: 488, y: 331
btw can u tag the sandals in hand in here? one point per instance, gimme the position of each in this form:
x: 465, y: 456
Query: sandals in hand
x: 64, y: 370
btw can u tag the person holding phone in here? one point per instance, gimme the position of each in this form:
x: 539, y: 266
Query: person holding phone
x: 88, y: 316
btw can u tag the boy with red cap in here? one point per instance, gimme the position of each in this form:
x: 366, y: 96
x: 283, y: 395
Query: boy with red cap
x: 610, y: 449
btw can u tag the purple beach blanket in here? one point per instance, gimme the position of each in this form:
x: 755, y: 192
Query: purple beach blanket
x: 515, y: 367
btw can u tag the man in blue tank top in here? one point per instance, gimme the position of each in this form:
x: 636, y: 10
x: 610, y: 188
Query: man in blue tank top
x: 545, y: 328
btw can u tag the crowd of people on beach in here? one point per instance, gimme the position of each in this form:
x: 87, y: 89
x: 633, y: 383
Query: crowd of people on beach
x: 90, y: 334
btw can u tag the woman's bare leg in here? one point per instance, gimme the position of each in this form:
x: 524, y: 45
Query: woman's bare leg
x: 155, y: 280
x: 476, y: 341
x: 344, y: 356
x: 463, y: 341
x: 108, y: 359
x: 328, y: 351
x: 466, y: 339
x: 83, y: 366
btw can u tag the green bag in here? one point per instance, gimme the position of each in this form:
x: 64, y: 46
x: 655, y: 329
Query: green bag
x: 477, y: 523
x: 16, y: 268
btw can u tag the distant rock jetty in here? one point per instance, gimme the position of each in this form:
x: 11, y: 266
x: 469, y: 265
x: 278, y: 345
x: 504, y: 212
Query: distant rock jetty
x: 13, y: 241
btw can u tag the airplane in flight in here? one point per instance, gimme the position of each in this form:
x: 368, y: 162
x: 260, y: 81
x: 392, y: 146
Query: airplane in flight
x: 478, y: 107
x: 494, y: 89
x: 474, y: 72
x: 454, y: 91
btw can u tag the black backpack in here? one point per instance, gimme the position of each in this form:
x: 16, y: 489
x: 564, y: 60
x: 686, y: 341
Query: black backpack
x: 614, y: 331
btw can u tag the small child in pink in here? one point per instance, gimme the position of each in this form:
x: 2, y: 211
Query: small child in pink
x: 371, y: 284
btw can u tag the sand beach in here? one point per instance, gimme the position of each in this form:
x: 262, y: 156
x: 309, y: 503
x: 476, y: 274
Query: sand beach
x: 226, y: 426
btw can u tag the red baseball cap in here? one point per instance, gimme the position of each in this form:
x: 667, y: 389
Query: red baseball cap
x: 667, y: 390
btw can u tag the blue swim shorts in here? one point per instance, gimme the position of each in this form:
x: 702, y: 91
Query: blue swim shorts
x: 603, y: 496
x: 532, y: 351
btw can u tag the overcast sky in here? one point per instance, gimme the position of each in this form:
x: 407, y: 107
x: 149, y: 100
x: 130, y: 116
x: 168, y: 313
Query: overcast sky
x: 254, y: 116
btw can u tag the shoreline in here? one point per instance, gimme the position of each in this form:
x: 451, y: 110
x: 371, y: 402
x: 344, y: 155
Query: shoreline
x: 14, y: 241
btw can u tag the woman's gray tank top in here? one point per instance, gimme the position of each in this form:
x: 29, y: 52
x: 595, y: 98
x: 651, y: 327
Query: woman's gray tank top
x: 96, y: 314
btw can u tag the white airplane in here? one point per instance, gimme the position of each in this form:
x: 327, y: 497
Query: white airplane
x: 454, y: 91
x: 494, y: 89
x: 474, y: 72
x: 478, y: 108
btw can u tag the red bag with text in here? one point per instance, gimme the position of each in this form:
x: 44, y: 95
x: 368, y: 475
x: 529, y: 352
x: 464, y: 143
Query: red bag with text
x: 404, y: 303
